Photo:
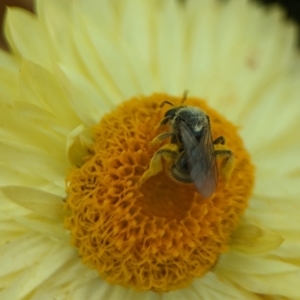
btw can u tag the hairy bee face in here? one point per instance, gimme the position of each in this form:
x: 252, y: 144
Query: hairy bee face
x: 193, y: 117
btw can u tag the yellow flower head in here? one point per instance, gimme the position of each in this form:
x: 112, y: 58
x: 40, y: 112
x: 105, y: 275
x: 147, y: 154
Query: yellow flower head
x: 107, y: 193
x: 161, y: 235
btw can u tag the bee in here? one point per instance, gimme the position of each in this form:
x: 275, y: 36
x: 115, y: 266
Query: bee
x: 191, y: 155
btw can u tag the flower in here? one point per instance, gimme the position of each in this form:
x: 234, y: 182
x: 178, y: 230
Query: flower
x: 71, y: 69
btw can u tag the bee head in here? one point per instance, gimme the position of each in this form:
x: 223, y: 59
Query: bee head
x: 195, y: 118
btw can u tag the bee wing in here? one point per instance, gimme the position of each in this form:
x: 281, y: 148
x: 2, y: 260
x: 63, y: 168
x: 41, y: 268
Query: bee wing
x: 201, y: 159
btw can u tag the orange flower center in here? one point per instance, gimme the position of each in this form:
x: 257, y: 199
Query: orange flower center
x: 161, y: 235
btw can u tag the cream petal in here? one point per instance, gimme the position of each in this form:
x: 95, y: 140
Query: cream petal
x: 282, y: 156
x: 85, y: 285
x: 97, y: 289
x: 113, y: 57
x: 252, y: 239
x: 190, y: 293
x: 120, y: 72
x: 237, y: 87
x: 117, y: 72
x: 60, y: 285
x: 150, y: 296
x: 18, y: 176
x: 216, y: 286
x: 105, y: 14
x: 10, y: 231
x: 277, y: 91
x: 57, y: 187
x: 18, y: 159
x: 146, y: 80
x: 42, y: 119
x: 278, y: 186
x: 253, y: 264
x: 55, y: 15
x: 9, y: 210
x: 34, y: 112
x: 169, y: 50
x: 41, y: 203
x: 50, y: 228
x: 23, y: 176
x: 273, y: 119
x: 38, y: 272
x: 25, y: 129
x: 78, y: 142
x: 80, y: 90
x: 8, y: 226
x: 19, y: 36
x: 50, y: 96
x: 9, y: 63
x: 268, y: 74
x: 283, y: 283
x: 88, y: 55
x: 9, y: 66
x: 276, y: 213
x: 22, y: 252
x: 290, y: 249
x: 211, y: 287
x: 142, y: 39
x: 255, y: 71
x: 201, y: 46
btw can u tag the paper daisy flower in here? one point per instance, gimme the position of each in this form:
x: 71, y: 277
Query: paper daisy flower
x: 91, y: 207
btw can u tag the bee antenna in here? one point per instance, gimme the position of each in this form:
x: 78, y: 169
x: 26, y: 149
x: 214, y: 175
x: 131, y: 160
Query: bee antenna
x: 184, y: 97
x: 166, y: 102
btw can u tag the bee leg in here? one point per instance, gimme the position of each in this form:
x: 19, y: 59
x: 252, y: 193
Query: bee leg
x: 219, y: 140
x: 227, y: 162
x: 161, y: 137
x: 169, y: 115
x: 166, y: 154
x: 163, y: 122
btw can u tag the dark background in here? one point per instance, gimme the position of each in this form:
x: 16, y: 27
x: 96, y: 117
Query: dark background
x: 3, y: 3
x: 291, y: 7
